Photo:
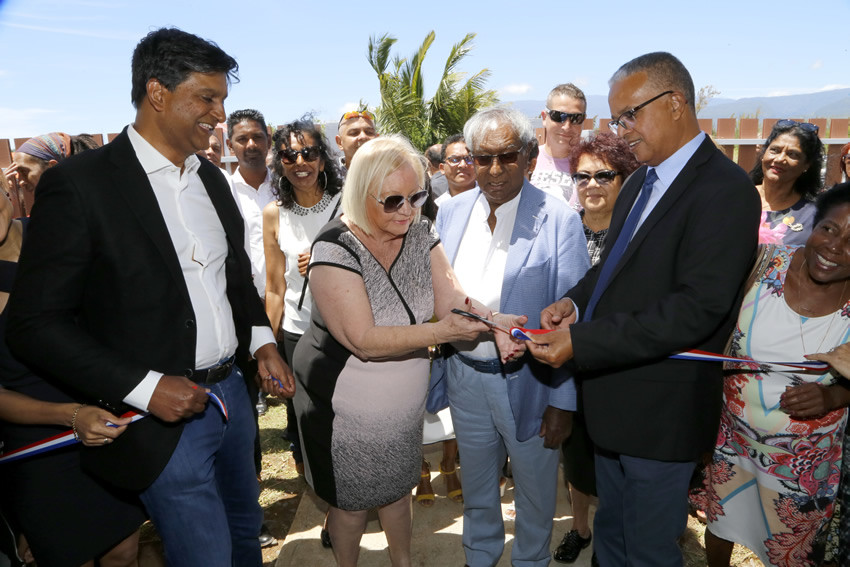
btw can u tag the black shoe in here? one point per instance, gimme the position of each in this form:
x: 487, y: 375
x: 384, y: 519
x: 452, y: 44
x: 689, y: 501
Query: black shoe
x: 594, y: 562
x: 326, y: 539
x: 570, y: 547
x: 266, y: 538
x: 262, y: 407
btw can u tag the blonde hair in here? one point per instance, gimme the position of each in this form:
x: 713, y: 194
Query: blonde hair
x: 376, y: 160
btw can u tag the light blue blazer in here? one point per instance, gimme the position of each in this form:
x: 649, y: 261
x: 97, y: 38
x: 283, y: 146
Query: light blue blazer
x: 547, y: 257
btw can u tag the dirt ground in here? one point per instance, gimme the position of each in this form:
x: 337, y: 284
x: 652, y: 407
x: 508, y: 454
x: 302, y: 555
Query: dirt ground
x: 281, y: 490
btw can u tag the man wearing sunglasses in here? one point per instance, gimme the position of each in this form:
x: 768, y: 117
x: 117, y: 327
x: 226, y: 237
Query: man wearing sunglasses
x: 355, y: 129
x: 562, y: 120
x: 682, y: 236
x: 456, y: 166
x: 516, y: 249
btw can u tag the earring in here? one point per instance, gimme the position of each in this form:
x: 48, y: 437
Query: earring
x: 325, y: 186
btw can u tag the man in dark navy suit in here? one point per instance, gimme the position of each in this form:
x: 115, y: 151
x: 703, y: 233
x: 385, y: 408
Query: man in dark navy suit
x: 683, y: 235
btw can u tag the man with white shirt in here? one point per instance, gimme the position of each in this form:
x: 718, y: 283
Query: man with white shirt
x: 456, y: 166
x: 135, y: 292
x: 563, y: 117
x: 248, y: 140
x: 513, y: 247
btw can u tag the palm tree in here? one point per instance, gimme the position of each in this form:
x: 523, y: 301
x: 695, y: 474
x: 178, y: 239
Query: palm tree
x: 403, y: 107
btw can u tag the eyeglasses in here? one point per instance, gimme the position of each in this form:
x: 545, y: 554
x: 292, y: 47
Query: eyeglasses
x: 290, y: 156
x: 357, y: 114
x: 805, y: 126
x: 504, y: 159
x: 627, y: 119
x: 573, y: 117
x: 455, y: 160
x: 394, y: 202
x: 602, y: 177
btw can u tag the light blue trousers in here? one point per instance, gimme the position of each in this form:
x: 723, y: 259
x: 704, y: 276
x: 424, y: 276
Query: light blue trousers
x: 486, y: 433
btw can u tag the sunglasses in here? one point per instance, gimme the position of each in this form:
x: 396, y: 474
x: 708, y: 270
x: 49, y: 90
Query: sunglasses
x: 290, y: 156
x: 504, y: 159
x: 573, y: 117
x: 357, y: 114
x: 805, y: 126
x: 602, y: 177
x: 455, y: 160
x: 394, y: 202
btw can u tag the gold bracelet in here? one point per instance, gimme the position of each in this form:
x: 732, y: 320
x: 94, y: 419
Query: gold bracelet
x: 74, y: 421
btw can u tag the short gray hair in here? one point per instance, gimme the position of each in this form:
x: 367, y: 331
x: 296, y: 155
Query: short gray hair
x: 664, y: 71
x: 568, y: 90
x: 491, y: 118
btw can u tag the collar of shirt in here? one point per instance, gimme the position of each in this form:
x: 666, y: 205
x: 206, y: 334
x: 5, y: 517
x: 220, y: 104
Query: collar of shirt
x: 237, y: 178
x: 152, y: 159
x: 667, y: 172
x: 504, y: 209
x: 671, y: 167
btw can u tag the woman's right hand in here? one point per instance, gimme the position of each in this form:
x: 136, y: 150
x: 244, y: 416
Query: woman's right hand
x: 456, y: 327
x: 838, y: 358
x: 92, y: 429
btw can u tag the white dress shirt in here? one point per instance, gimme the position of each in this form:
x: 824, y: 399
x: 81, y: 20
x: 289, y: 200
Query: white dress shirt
x: 480, y: 263
x: 251, y: 203
x: 201, y: 245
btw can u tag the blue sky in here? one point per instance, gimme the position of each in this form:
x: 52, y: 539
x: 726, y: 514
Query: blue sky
x: 66, y: 63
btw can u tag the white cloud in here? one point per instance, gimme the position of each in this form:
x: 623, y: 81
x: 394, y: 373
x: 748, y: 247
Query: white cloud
x: 817, y: 64
x: 21, y: 122
x: 581, y: 82
x: 516, y: 89
x: 832, y: 87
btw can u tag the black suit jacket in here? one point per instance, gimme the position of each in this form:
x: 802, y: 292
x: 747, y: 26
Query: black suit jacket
x: 100, y: 297
x: 675, y: 288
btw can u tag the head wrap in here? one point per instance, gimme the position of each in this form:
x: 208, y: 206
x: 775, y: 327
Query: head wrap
x: 56, y: 146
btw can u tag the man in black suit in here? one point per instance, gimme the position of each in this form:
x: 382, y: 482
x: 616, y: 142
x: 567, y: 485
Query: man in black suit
x: 135, y: 290
x: 683, y: 235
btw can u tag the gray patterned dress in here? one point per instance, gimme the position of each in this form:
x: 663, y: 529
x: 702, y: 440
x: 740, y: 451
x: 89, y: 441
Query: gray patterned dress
x: 361, y: 421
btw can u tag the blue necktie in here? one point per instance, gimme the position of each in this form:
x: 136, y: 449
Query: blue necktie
x: 622, y: 242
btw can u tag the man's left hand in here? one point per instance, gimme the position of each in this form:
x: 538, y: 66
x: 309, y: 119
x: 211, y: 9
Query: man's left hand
x: 553, y: 348
x: 276, y: 377
x: 556, y: 427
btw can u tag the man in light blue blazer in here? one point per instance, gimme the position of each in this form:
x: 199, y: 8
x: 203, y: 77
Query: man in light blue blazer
x: 515, y: 249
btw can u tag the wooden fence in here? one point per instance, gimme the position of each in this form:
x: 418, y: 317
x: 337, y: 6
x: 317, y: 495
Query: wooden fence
x: 738, y: 138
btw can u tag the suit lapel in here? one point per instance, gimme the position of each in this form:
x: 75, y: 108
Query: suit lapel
x: 529, y: 219
x: 676, y: 190
x: 455, y: 226
x: 129, y: 177
x: 225, y: 205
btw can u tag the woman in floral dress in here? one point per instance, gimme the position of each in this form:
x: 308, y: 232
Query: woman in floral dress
x: 774, y: 476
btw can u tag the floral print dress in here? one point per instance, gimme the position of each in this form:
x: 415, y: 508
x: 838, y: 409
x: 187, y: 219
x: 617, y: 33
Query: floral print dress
x: 773, y: 479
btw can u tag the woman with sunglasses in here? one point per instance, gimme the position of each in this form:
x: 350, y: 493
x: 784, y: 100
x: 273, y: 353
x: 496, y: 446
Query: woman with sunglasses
x: 306, y: 183
x: 599, y: 166
x: 377, y: 275
x: 787, y: 175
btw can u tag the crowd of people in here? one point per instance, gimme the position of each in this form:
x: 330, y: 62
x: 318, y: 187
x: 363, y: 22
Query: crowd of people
x: 526, y: 305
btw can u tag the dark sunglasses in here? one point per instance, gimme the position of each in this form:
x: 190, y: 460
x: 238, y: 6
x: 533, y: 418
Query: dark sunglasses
x: 504, y: 159
x: 289, y: 156
x: 602, y: 177
x: 573, y: 117
x: 805, y: 126
x: 394, y: 202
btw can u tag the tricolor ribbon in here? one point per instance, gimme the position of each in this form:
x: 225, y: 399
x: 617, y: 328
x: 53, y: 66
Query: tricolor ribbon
x: 67, y: 438
x: 711, y: 357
